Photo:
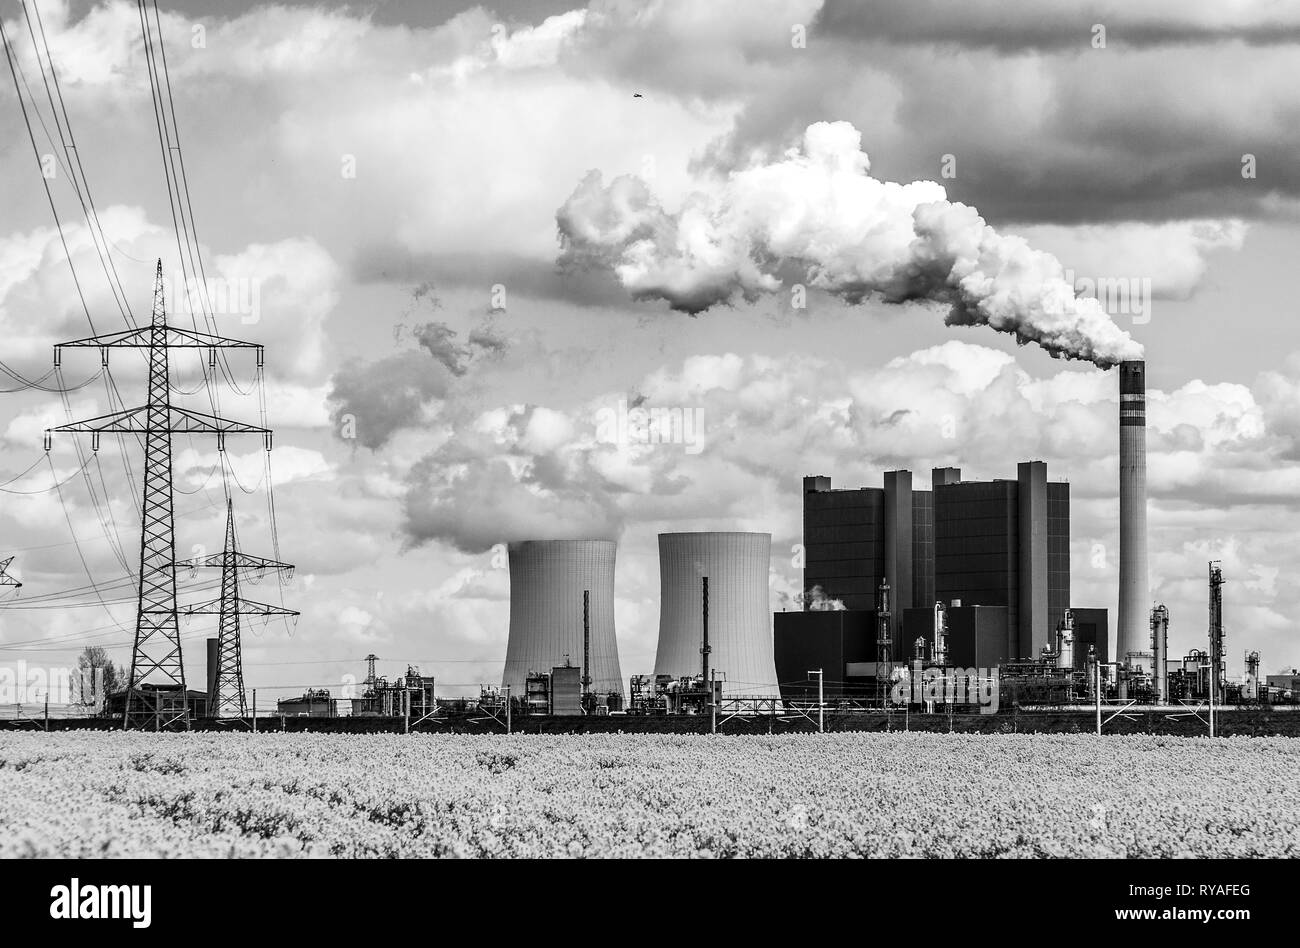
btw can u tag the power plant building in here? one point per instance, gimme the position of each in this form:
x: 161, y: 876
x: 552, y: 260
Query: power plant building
x: 855, y: 538
x: 1006, y: 543
x: 999, y: 543
x: 1091, y: 628
x: 547, y: 581
x: 739, y: 620
x: 830, y: 639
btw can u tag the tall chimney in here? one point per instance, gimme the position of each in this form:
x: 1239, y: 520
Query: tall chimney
x: 1134, y: 593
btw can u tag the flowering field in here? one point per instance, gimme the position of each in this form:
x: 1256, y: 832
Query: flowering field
x: 115, y: 794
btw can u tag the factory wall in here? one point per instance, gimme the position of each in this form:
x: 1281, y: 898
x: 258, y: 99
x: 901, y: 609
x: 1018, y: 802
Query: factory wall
x: 854, y: 538
x: 977, y: 548
x: 740, y: 623
x: 922, y: 549
x: 978, y: 636
x: 1058, y: 554
x: 829, y: 640
x: 898, y: 546
x: 1287, y: 682
x: 547, y: 578
x: 1031, y: 502
x: 844, y: 541
x: 918, y: 623
x: 1091, y: 627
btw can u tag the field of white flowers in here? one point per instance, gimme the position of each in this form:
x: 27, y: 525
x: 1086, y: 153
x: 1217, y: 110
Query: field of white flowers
x: 115, y: 794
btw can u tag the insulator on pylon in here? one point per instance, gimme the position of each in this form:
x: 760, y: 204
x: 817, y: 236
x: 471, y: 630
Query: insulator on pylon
x: 94, y: 441
x: 58, y: 356
x: 103, y: 355
x: 267, y: 440
x: 47, y: 439
x: 212, y: 357
x: 221, y: 441
x: 259, y: 357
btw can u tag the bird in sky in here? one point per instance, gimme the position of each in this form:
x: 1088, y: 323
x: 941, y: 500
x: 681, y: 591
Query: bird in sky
x: 637, y: 95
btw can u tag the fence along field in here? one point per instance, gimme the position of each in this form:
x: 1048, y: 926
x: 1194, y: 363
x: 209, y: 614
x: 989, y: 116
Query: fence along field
x: 900, y: 794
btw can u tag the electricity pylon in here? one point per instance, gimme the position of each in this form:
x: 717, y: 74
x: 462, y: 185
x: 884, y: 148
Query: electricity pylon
x: 155, y: 692
x: 228, y: 698
x: 5, y: 578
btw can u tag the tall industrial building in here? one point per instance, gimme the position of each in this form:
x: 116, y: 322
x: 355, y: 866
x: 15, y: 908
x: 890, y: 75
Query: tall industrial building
x: 1132, y: 631
x: 999, y: 543
x: 740, y: 623
x: 547, y: 580
x: 854, y: 538
x: 1006, y: 543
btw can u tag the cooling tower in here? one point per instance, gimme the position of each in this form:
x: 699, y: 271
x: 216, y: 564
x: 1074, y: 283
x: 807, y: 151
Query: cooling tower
x: 1134, y: 598
x: 547, y: 579
x: 740, y: 617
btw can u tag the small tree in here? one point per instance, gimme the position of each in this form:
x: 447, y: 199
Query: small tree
x: 94, y: 659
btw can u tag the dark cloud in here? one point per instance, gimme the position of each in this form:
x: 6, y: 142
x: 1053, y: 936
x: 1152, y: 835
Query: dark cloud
x: 520, y: 275
x: 384, y: 396
x: 487, y: 503
x: 1009, y: 26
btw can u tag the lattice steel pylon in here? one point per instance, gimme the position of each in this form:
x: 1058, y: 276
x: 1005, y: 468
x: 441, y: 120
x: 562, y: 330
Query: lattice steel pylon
x: 228, y: 701
x: 5, y: 578
x: 155, y: 693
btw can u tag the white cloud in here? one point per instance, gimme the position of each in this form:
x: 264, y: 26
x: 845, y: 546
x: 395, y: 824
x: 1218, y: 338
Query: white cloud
x: 1172, y: 255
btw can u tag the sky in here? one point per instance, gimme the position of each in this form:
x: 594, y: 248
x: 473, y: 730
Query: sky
x: 465, y: 241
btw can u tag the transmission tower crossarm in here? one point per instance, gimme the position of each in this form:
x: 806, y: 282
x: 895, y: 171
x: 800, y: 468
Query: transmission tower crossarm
x: 142, y: 338
x: 178, y: 421
x: 247, y: 607
x: 240, y: 560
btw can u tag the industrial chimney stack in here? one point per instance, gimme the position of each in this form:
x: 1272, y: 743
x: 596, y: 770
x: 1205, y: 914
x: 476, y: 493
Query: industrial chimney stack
x: 1134, y: 594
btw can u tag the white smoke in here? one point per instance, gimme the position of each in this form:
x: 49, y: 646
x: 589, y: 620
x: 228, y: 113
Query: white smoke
x: 854, y: 236
x: 817, y: 601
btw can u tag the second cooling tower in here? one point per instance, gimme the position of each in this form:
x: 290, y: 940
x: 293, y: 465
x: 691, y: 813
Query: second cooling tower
x: 740, y: 618
x: 547, y: 579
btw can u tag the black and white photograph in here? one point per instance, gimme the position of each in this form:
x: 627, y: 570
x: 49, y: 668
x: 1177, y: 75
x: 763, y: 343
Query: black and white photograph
x: 528, y: 430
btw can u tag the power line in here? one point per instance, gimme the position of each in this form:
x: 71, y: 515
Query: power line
x: 49, y: 196
x: 46, y: 490
x: 69, y: 151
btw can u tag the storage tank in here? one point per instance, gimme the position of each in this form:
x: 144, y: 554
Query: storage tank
x: 547, y: 579
x: 739, y: 614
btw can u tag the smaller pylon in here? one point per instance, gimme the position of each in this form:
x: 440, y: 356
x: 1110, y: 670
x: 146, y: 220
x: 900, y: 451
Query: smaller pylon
x: 229, y: 700
x: 5, y: 578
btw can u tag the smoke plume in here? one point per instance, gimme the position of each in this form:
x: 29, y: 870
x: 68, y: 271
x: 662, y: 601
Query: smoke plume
x: 816, y: 600
x: 818, y: 210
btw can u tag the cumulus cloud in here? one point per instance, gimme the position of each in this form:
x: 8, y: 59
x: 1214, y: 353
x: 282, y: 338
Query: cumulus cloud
x: 1171, y: 255
x: 818, y: 209
x: 371, y: 401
